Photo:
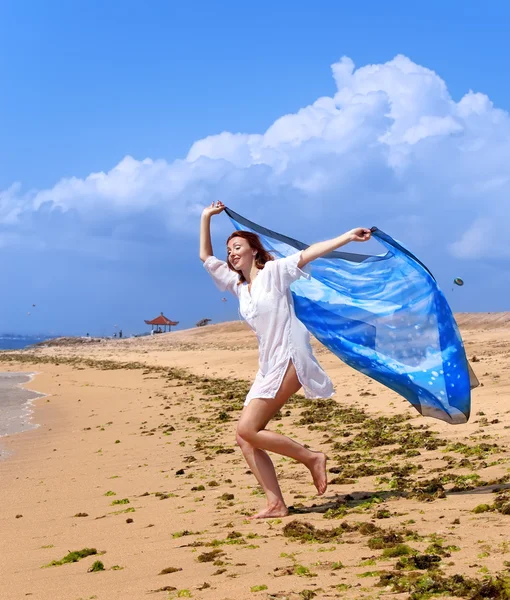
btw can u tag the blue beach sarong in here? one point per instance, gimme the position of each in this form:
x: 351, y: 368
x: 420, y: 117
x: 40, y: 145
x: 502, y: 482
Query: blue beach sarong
x: 385, y: 316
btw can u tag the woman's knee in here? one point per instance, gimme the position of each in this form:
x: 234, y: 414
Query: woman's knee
x: 240, y: 441
x: 245, y: 435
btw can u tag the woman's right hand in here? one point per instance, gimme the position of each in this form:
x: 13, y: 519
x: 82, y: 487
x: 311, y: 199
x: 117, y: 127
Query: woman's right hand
x: 214, y: 209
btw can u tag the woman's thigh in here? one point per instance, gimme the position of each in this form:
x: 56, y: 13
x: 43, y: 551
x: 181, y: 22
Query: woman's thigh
x: 260, y: 411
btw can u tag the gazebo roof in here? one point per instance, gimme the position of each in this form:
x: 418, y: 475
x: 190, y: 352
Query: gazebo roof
x: 162, y: 320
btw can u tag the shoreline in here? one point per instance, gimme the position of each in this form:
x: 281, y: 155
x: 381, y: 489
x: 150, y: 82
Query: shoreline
x: 18, y: 406
x: 139, y: 440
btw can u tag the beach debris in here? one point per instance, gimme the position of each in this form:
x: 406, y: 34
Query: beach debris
x: 307, y: 594
x: 96, y: 566
x: 170, y: 570
x: 306, y: 532
x: 389, y: 540
x: 182, y: 533
x: 501, y: 504
x: 210, y: 556
x: 234, y: 535
x: 433, y: 583
x: 226, y: 497
x: 164, y: 495
x: 71, y: 557
x: 398, y: 550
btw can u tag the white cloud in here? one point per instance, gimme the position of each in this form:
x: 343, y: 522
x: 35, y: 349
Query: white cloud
x: 391, y: 146
x: 481, y: 239
x: 10, y: 204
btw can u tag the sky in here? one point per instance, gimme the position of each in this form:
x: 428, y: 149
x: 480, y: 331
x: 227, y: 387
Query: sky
x: 119, y: 121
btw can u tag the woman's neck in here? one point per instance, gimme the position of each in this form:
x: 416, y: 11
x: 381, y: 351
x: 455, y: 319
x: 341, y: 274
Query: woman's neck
x: 252, y: 274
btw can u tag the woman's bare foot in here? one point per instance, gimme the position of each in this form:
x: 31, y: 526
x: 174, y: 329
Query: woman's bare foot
x: 318, y: 470
x: 280, y: 510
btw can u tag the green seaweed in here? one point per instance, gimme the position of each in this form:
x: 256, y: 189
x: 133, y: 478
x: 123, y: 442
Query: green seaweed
x: 419, y: 561
x: 422, y: 586
x: 96, y: 566
x: 210, y: 556
x: 74, y: 556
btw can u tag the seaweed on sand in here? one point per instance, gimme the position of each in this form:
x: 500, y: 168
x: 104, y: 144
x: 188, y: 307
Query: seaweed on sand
x: 501, y: 504
x: 422, y: 586
x: 306, y: 532
x: 210, y: 556
x: 74, y: 556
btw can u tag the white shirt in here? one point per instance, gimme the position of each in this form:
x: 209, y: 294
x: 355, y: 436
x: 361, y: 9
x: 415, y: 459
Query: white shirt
x: 269, y: 311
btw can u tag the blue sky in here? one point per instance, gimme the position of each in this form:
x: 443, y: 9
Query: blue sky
x: 87, y: 84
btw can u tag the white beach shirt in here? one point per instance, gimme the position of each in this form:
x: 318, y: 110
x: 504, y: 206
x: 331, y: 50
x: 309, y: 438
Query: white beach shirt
x: 269, y: 311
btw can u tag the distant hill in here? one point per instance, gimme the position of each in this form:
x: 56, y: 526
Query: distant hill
x: 237, y: 335
x: 495, y: 320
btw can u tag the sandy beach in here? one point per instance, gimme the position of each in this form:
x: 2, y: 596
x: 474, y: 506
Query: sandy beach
x: 135, y: 460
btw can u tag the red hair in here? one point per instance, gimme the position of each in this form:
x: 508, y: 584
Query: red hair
x: 262, y: 256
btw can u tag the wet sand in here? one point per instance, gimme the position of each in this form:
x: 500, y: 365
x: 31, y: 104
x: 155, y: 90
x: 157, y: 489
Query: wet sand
x: 15, y: 404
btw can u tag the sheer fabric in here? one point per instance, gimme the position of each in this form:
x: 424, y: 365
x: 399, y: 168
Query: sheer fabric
x: 385, y: 316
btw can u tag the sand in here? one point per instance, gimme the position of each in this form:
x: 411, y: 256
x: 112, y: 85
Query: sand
x: 146, y: 455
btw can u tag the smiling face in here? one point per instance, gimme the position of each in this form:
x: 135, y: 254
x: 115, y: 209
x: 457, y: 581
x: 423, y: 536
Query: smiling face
x: 240, y: 254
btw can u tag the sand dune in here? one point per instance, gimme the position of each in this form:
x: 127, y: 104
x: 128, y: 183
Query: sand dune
x: 494, y: 320
x: 237, y: 333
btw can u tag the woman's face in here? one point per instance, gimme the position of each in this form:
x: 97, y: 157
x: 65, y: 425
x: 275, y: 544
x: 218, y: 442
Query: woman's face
x: 239, y: 254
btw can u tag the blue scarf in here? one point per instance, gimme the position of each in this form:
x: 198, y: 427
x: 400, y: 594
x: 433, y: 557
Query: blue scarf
x: 385, y: 316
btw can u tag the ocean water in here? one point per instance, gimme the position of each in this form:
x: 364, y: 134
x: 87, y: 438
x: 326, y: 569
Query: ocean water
x: 18, y: 342
x: 15, y: 405
x: 16, y: 402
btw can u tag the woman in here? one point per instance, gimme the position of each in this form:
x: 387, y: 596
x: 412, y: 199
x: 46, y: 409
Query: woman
x: 286, y: 361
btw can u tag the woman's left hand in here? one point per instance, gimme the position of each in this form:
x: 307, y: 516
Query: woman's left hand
x: 360, y: 234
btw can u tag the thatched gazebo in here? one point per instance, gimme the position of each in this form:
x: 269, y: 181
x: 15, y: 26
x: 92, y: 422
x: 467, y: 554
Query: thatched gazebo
x: 161, y: 322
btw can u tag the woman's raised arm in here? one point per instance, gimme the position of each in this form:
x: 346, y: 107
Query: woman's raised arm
x: 360, y: 234
x: 206, y: 249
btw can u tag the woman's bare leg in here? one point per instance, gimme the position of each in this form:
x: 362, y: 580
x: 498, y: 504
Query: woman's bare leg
x: 262, y: 467
x: 251, y: 432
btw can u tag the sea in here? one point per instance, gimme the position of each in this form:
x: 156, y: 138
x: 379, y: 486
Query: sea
x: 18, y: 342
x: 16, y: 402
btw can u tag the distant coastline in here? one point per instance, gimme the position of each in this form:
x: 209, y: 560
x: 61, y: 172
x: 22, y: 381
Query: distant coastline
x: 18, y: 342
